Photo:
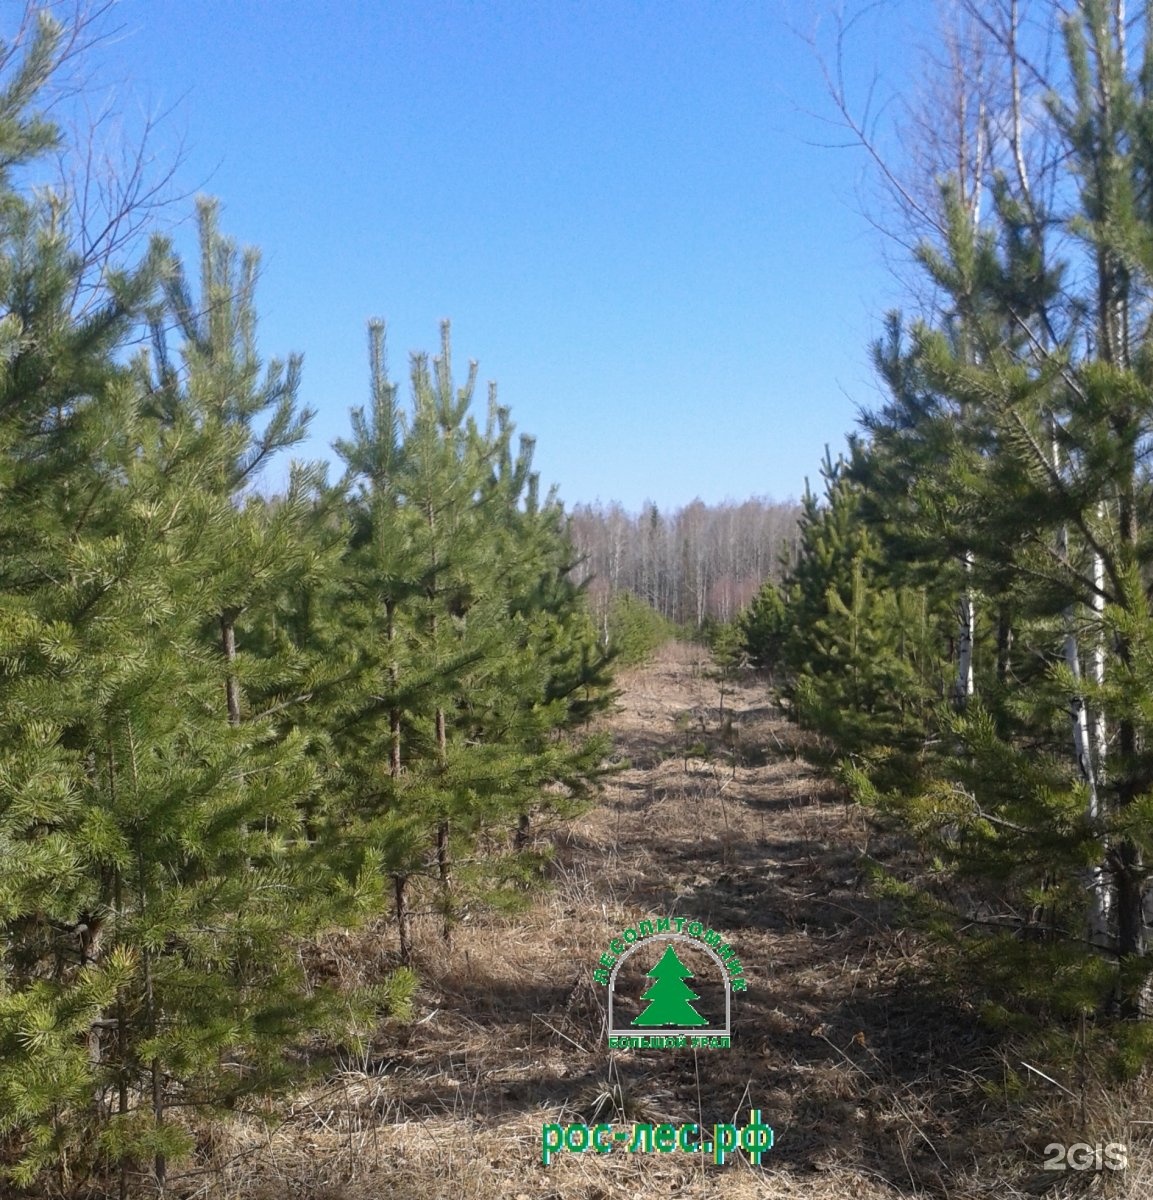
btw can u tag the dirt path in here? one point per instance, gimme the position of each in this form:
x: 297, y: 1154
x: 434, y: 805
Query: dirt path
x: 860, y: 1070
x: 835, y: 1041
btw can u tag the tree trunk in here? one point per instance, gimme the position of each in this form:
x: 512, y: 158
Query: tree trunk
x: 966, y: 628
x: 442, y: 835
x: 159, y: 1162
x: 1129, y: 871
x: 121, y: 1046
x: 1099, y: 881
x: 1096, y: 879
x: 393, y: 677
x: 1130, y: 874
x: 403, y: 919
x: 400, y: 882
x: 1004, y: 644
x: 228, y: 644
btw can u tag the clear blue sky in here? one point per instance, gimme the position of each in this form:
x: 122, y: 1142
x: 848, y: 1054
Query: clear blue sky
x: 617, y: 204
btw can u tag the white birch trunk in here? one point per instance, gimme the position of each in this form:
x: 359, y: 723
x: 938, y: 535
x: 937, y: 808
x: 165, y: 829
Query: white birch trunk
x: 1087, y: 749
x: 1098, y: 723
x: 1102, y: 887
x: 966, y: 631
x: 1078, y: 711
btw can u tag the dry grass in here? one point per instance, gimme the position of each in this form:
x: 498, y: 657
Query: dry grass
x: 875, y: 1083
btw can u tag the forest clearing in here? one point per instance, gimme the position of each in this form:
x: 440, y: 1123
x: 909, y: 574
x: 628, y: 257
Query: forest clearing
x: 875, y: 1082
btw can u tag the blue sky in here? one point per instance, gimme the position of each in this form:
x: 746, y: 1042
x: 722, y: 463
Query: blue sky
x: 617, y: 204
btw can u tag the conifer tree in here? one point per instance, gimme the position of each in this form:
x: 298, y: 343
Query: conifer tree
x: 764, y: 626
x: 198, y: 681
x: 858, y: 652
x: 215, y: 381
x: 207, y: 876
x: 487, y: 656
x: 168, y: 875
x: 1046, y: 481
x: 66, y: 416
x: 635, y: 630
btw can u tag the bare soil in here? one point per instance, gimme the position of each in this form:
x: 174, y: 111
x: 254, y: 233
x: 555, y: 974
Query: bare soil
x: 876, y: 1082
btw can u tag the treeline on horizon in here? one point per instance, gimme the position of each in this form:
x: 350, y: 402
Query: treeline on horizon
x: 696, y: 565
x: 969, y: 620
x: 230, y: 722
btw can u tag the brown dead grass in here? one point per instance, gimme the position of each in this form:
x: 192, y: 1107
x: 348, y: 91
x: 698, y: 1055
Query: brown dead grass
x: 877, y: 1085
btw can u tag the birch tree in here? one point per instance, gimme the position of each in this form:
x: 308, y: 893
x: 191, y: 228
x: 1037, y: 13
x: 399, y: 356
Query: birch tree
x: 1043, y: 476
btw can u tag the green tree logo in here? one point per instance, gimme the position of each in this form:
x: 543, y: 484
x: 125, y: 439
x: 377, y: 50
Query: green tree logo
x: 669, y: 996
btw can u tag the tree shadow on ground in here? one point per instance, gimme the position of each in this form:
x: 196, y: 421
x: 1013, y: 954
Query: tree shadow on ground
x: 842, y: 1041
x: 850, y: 1050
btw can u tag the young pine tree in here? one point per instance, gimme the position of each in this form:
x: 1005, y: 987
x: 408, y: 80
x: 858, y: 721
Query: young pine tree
x: 457, y: 721
x: 1048, y: 771
x: 859, y: 651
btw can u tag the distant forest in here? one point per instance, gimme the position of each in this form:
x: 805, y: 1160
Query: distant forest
x: 694, y: 564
